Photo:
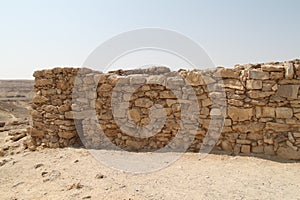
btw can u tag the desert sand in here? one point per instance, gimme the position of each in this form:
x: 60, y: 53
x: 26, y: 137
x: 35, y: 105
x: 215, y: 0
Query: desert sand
x: 73, y: 173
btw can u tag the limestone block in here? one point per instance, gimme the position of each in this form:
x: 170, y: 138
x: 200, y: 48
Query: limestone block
x: 272, y: 68
x: 288, y: 153
x: 40, y: 99
x: 43, y: 82
x: 289, y: 91
x: 227, y: 73
x: 135, y: 114
x: 137, y: 79
x: 216, y: 112
x: 233, y: 84
x: 268, y: 112
x: 239, y: 114
x: 226, y: 146
x: 246, y: 149
x: 259, y: 94
x: 258, y: 149
x: 289, y: 70
x: 66, y: 135
x: 276, y: 75
x: 248, y: 127
x: 143, y: 102
x: 241, y: 141
x: 269, y: 150
x: 36, y: 133
x: 259, y: 75
x: 284, y: 112
x: 254, y: 84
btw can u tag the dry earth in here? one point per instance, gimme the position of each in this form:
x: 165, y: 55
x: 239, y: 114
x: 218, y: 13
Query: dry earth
x: 73, y: 173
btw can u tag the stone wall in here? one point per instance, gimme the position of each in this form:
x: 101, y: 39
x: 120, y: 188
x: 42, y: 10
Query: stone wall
x: 255, y: 108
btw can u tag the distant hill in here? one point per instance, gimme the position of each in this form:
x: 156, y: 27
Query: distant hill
x: 22, y: 89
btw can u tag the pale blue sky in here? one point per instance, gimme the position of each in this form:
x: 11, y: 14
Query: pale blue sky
x: 37, y: 34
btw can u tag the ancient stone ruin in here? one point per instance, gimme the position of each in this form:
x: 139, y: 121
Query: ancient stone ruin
x: 255, y: 108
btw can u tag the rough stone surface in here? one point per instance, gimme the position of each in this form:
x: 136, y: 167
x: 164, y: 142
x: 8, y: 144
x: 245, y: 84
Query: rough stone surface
x: 284, y: 112
x: 290, y: 91
x: 258, y: 74
x: 260, y: 105
x: 239, y: 114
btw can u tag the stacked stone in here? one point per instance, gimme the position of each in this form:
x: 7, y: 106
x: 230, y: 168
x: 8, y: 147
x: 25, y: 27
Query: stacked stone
x: 255, y: 107
x: 263, y: 110
x: 138, y: 92
x: 52, y: 100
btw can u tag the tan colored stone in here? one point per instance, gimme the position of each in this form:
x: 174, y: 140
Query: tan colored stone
x: 272, y: 68
x: 269, y: 150
x: 36, y: 133
x: 233, y: 84
x: 259, y: 75
x: 170, y: 102
x: 291, y: 137
x: 239, y: 114
x: 66, y: 135
x: 237, y: 149
x: 275, y: 87
x: 297, y: 115
x: 68, y: 115
x: 215, y: 112
x: 227, y: 122
x: 259, y: 94
x: 283, y: 112
x: 254, y: 84
x: 167, y: 95
x: 276, y: 75
x: 226, y: 129
x: 289, y: 144
x: 289, y: 81
x: 145, y: 121
x: 227, y: 73
x: 289, y: 91
x: 226, y: 146
x: 289, y: 70
x: 288, y: 153
x: 235, y: 102
x: 135, y: 114
x: 204, y: 111
x: 156, y: 79
x: 268, y: 140
x: 206, y: 102
x: 268, y: 112
x: 258, y: 149
x: 151, y: 94
x: 137, y: 79
x: 134, y: 145
x: 43, y: 82
x: 39, y: 99
x: 104, y: 88
x: 64, y: 108
x: 143, y: 102
x: 296, y: 134
x: 246, y: 149
x: 280, y: 127
x: 195, y: 78
x: 248, y: 127
x: 241, y: 141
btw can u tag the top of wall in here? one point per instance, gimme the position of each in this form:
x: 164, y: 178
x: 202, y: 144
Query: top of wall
x: 157, y: 70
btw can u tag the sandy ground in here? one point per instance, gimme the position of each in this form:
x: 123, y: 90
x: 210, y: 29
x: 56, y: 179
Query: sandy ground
x: 75, y: 174
x: 72, y: 173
